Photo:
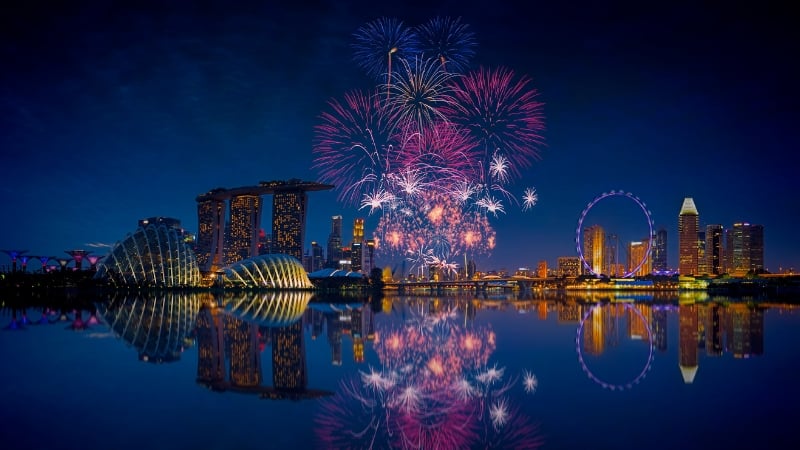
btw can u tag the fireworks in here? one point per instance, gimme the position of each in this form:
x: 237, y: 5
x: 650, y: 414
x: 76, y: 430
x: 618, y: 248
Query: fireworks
x: 448, y: 41
x: 529, y: 198
x: 433, y: 389
x: 530, y: 382
x: 434, y: 148
x: 503, y: 112
x: 377, y: 42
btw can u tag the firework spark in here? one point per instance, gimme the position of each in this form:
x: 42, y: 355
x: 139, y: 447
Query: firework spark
x: 377, y: 42
x: 529, y: 198
x: 530, y: 382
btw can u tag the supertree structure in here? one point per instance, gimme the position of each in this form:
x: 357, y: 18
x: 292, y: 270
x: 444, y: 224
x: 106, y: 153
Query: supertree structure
x: 77, y: 256
x: 435, y: 147
x: 14, y: 254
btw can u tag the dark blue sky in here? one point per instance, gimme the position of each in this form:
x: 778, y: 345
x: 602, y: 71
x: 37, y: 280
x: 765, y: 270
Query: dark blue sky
x: 111, y: 112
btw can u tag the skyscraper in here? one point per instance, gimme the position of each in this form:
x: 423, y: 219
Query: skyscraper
x: 317, y: 259
x: 702, y: 267
x: 569, y: 266
x: 659, y: 250
x: 245, y: 223
x: 210, y: 232
x: 289, y: 208
x: 746, y: 248
x: 335, y: 242
x: 358, y: 231
x: 637, y: 253
x: 593, y: 243
x: 714, y: 249
x: 688, y: 226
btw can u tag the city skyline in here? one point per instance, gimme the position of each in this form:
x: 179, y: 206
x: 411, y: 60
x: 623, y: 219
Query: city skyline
x: 663, y: 103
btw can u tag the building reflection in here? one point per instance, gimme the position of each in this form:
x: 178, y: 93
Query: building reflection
x: 229, y: 346
x: 158, y: 325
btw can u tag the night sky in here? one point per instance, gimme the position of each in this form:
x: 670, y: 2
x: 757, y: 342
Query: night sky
x: 112, y: 112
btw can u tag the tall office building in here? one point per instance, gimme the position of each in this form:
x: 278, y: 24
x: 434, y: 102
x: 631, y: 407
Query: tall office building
x: 369, y: 256
x: 746, y: 248
x: 714, y: 249
x: 637, y: 254
x: 358, y: 231
x: 611, y: 262
x: 356, y: 257
x: 541, y: 269
x: 659, y: 250
x: 593, y: 245
x: 317, y: 258
x: 335, y: 243
x: 289, y: 208
x: 702, y: 266
x: 569, y: 266
x: 688, y: 227
x: 245, y: 224
x: 210, y: 233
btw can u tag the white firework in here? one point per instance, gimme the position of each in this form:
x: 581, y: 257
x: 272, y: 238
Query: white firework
x: 491, y: 205
x: 530, y: 382
x: 377, y: 200
x: 463, y: 389
x: 463, y: 191
x: 491, y: 375
x: 410, y: 182
x: 408, y: 400
x: 529, y: 198
x: 499, y: 413
x: 498, y: 168
x: 376, y: 380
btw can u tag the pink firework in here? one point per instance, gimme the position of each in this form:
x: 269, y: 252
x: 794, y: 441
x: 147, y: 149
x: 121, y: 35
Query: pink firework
x: 354, y: 145
x: 442, y: 154
x: 502, y: 111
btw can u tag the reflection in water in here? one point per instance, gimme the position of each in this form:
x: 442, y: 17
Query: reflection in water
x: 433, y: 389
x: 158, y: 326
x: 601, y: 327
x: 236, y: 336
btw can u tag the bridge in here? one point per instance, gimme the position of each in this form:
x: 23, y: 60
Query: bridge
x: 522, y: 283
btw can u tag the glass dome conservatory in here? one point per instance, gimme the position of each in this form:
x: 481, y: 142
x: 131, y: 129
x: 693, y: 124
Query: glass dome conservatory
x: 152, y: 256
x: 274, y: 271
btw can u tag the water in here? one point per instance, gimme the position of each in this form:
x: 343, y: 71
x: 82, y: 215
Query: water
x: 450, y: 371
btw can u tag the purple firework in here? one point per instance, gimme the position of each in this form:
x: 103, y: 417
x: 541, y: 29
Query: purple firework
x: 353, y: 145
x: 502, y: 111
x: 449, y: 41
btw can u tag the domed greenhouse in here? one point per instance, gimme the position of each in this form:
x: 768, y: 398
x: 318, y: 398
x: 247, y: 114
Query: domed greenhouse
x: 152, y: 256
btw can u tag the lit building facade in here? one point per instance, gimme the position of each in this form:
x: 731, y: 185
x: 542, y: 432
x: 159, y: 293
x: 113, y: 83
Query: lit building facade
x: 210, y: 233
x: 245, y: 224
x: 317, y: 257
x: 637, y: 252
x: 289, y: 205
x: 593, y: 246
x: 746, y: 248
x: 714, y: 249
x: 541, y: 269
x: 569, y: 266
x: 659, y: 250
x: 335, y: 243
x: 688, y: 227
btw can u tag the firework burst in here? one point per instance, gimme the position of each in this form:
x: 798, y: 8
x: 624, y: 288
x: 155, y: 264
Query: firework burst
x: 354, y: 145
x: 503, y: 112
x: 379, y: 42
x: 529, y: 198
x: 449, y: 41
